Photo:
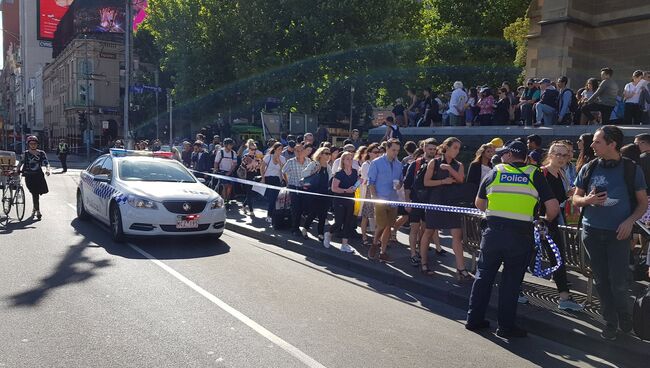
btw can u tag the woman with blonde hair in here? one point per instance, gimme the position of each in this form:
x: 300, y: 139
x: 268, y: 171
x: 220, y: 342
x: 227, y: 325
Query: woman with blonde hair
x: 318, y: 173
x: 556, y: 160
x: 344, y: 184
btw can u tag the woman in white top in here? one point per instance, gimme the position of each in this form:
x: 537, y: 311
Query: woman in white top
x: 631, y: 94
x: 271, y: 171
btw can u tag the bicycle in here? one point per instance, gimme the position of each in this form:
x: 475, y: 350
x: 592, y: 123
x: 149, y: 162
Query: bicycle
x: 13, y: 194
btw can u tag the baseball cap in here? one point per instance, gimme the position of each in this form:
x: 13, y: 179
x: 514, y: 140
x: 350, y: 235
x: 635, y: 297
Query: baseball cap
x: 535, y: 156
x: 291, y: 144
x: 497, y: 142
x: 228, y: 141
x: 517, y: 148
x: 545, y: 80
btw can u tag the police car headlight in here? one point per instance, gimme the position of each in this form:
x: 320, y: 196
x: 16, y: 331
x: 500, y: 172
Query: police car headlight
x: 138, y: 202
x: 217, y: 203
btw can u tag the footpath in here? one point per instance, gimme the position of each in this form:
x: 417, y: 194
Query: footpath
x: 540, y: 316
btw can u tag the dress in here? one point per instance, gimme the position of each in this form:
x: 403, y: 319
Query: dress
x: 368, y: 208
x: 33, y: 172
x: 437, y: 219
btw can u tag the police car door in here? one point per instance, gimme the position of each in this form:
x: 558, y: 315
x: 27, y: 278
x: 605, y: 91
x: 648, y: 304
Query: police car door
x: 88, y: 186
x: 106, y: 191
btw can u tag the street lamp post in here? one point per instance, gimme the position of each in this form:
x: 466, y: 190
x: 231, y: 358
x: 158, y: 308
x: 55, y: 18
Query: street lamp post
x: 351, y: 106
x: 127, y: 71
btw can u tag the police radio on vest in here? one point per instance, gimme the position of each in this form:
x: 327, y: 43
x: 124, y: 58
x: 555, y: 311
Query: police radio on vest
x: 514, y: 178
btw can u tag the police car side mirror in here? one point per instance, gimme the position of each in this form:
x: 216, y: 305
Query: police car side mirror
x: 103, y: 178
x: 201, y: 180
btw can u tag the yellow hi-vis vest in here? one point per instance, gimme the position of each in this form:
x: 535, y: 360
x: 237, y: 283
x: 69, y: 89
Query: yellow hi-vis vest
x: 512, y: 194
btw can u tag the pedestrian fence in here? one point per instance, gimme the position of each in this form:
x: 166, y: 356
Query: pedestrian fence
x: 575, y: 258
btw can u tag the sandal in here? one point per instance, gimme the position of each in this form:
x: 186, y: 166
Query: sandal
x: 463, y: 275
x: 366, y: 242
x: 441, y: 252
x: 424, y: 269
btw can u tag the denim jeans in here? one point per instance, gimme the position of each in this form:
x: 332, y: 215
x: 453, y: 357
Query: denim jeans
x: 609, y: 262
x: 546, y: 112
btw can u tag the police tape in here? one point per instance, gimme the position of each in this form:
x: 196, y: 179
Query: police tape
x: 537, y: 271
x: 425, y: 206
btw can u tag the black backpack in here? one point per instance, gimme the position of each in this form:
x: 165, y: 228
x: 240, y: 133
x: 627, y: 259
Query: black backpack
x: 641, y: 316
x: 422, y: 192
x: 629, y: 175
x: 573, y: 106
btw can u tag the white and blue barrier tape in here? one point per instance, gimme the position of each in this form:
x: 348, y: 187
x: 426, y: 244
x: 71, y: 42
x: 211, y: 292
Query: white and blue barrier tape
x: 537, y: 271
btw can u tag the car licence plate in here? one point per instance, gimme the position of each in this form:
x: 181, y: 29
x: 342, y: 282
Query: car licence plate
x: 187, y: 222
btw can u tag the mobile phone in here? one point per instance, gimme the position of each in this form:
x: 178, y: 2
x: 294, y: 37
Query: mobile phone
x: 357, y: 184
x: 600, y: 189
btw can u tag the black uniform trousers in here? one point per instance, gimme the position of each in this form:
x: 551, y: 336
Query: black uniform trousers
x: 502, y: 243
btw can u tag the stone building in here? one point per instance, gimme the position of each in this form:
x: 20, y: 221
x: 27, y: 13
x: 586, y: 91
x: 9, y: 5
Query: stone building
x: 579, y: 37
x: 84, y: 78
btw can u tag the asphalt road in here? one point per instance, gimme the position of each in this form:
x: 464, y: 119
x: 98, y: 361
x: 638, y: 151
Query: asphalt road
x: 70, y: 297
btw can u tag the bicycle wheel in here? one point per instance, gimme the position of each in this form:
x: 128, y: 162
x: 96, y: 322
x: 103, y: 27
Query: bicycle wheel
x: 7, y: 198
x: 19, y: 202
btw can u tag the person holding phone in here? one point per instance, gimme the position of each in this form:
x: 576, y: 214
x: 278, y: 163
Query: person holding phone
x: 344, y: 183
x: 612, y: 193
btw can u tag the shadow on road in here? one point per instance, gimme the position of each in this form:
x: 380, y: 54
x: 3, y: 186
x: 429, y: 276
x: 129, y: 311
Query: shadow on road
x: 9, y: 225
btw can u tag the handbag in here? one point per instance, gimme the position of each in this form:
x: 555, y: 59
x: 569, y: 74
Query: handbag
x: 241, y: 172
x: 311, y: 181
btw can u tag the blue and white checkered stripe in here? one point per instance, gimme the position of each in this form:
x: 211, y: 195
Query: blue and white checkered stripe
x: 103, y: 190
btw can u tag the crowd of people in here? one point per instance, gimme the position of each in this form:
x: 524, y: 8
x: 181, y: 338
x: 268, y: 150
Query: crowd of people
x: 430, y: 172
x: 540, y: 102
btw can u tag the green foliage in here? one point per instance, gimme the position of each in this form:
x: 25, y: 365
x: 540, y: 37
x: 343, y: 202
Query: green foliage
x: 221, y: 54
x: 516, y: 33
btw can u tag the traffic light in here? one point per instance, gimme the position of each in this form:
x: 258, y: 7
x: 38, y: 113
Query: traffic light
x: 82, y: 121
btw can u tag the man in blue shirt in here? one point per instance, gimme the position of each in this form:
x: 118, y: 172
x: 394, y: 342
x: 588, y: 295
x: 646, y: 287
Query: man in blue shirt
x: 384, y: 178
x: 611, y: 205
x: 566, y: 96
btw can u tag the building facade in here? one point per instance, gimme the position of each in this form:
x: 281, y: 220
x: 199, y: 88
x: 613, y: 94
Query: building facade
x: 577, y: 38
x: 84, y: 79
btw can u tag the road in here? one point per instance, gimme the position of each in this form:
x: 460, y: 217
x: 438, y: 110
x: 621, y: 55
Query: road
x: 70, y: 297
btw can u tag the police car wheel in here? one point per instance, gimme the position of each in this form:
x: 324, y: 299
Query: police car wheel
x: 82, y: 214
x: 117, y: 232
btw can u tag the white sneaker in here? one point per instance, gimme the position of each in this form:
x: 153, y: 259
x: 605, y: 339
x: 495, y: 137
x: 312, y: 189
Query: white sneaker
x: 303, y: 231
x: 326, y: 240
x: 345, y: 248
x: 269, y: 220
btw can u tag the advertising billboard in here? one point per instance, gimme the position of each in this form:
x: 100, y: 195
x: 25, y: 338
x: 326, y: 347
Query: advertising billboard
x: 50, y: 13
x: 102, y: 19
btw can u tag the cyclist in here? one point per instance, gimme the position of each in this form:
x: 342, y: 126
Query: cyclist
x: 31, y: 167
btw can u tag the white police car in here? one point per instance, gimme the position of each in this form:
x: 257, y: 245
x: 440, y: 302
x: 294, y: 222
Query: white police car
x: 148, y: 193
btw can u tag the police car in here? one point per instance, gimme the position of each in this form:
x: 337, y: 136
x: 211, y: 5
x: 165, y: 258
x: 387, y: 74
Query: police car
x: 148, y: 193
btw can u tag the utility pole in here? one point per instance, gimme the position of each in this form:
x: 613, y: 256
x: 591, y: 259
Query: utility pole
x: 157, y: 88
x: 127, y: 72
x: 170, y: 105
x: 87, y: 113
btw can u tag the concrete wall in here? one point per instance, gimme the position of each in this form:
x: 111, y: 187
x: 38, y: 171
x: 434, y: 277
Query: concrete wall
x: 578, y: 37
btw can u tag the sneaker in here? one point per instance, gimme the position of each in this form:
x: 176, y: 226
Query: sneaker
x: 372, y: 252
x: 38, y: 215
x: 326, y: 240
x: 484, y: 324
x: 609, y: 333
x: 269, y: 220
x: 345, y: 248
x: 522, y: 299
x: 415, y: 261
x: 383, y: 257
x: 511, y: 332
x: 303, y: 231
x: 570, y: 304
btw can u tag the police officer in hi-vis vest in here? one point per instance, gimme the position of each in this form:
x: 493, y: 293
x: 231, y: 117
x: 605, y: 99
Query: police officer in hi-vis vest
x: 62, y: 151
x: 509, y: 195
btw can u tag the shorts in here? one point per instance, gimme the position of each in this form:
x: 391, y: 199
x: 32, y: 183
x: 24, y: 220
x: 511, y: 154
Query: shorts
x: 416, y: 215
x: 385, y: 215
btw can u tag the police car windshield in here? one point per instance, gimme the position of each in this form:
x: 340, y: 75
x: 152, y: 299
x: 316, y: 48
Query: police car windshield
x: 154, y: 170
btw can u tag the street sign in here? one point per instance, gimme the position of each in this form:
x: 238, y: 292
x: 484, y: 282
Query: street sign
x: 104, y: 124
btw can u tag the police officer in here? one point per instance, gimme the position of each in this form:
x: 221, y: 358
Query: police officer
x: 509, y: 195
x: 62, y: 151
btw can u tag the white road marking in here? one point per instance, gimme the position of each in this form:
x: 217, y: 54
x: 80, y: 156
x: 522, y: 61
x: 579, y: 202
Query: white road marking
x: 294, y: 351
